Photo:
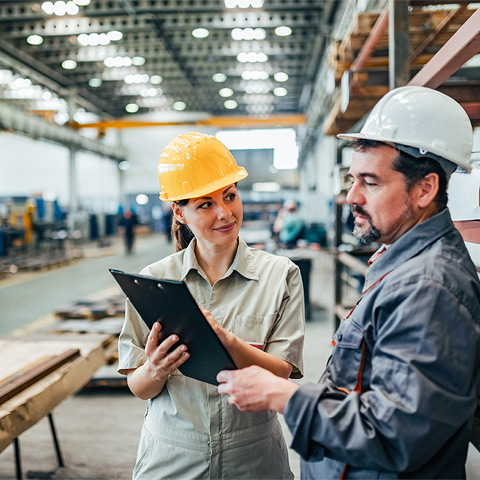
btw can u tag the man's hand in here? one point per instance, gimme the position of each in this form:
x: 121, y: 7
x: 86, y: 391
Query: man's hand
x: 255, y: 389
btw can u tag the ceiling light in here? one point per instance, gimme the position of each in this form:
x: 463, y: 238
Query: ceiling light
x: 244, y: 3
x: 280, y: 91
x: 124, y: 165
x: 35, y: 40
x: 283, y: 31
x: 281, y: 77
x: 72, y: 8
x: 118, y: 62
x: 115, y: 35
x: 95, y: 82
x: 136, y: 78
x: 255, y: 75
x: 225, y: 92
x: 47, y: 7
x: 131, y: 108
x: 266, y: 187
x: 248, y: 33
x: 69, y: 64
x: 179, y: 106
x: 230, y: 104
x: 219, y: 77
x: 252, y: 57
x: 138, y: 61
x: 156, y: 79
x: 141, y: 199
x: 200, y: 33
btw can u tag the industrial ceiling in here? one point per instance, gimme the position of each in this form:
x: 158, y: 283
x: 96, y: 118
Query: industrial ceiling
x: 114, y: 58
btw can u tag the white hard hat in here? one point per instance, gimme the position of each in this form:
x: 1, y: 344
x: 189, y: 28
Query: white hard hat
x: 431, y: 122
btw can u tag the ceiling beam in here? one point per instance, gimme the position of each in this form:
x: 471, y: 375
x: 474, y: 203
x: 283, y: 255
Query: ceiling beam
x: 462, y: 46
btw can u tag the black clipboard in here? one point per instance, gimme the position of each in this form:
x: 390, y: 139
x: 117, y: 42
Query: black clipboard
x: 171, y: 303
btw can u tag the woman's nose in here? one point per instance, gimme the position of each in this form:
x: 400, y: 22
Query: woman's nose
x: 222, y: 211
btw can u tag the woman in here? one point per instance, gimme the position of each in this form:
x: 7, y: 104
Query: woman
x: 254, y: 302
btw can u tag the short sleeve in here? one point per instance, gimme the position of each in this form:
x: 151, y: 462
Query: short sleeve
x: 287, y: 336
x: 131, y: 342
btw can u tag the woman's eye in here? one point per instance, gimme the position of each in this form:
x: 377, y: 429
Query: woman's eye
x: 231, y: 196
x: 204, y: 205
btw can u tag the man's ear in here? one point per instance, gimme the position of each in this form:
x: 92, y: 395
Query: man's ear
x: 427, y: 189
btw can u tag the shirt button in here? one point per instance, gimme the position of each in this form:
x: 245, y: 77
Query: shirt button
x: 339, y: 338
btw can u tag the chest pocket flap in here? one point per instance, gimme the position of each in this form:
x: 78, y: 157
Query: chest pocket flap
x: 348, y: 335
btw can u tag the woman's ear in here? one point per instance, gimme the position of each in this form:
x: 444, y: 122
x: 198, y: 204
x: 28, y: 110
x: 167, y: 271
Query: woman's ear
x: 178, y: 213
x: 427, y: 190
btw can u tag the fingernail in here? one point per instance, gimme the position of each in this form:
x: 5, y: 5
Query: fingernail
x: 174, y: 338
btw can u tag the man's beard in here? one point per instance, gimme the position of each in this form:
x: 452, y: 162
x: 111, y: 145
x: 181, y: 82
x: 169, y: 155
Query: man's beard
x: 365, y: 235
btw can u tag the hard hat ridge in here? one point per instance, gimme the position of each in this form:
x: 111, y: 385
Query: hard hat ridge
x: 195, y: 164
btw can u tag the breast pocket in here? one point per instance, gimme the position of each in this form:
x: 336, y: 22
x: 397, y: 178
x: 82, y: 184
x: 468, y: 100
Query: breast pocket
x: 254, y: 329
x: 347, y: 360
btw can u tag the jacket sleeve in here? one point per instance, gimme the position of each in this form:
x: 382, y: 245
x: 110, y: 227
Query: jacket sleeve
x: 421, y: 394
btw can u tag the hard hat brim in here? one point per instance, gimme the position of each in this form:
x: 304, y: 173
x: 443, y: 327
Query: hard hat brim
x: 209, y: 188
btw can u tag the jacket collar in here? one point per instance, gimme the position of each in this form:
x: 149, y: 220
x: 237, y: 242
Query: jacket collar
x: 408, y: 245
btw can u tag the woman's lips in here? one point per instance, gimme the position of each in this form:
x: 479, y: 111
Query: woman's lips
x: 226, y: 228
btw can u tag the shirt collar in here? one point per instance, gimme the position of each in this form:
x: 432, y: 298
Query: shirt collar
x: 242, y: 263
x: 409, y: 244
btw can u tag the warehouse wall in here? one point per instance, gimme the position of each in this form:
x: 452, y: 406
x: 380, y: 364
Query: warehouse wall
x: 29, y: 166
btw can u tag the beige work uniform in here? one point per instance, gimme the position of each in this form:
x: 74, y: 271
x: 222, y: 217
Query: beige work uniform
x: 190, y: 431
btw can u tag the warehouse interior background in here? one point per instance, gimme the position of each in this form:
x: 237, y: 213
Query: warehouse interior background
x: 91, y: 91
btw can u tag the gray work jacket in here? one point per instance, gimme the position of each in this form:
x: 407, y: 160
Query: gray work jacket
x: 398, y: 395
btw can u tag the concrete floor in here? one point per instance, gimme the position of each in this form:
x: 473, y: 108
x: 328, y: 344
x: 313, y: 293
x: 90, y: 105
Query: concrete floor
x: 99, y: 429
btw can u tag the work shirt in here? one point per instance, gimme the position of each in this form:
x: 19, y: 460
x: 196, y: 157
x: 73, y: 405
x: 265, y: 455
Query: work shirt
x: 190, y: 431
x: 398, y: 395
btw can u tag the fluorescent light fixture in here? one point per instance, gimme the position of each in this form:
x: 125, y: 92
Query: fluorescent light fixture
x: 69, y: 64
x: 115, y: 35
x: 252, y: 57
x: 138, y: 61
x: 112, y: 62
x: 225, y: 92
x: 280, y: 91
x: 281, y: 77
x: 124, y: 165
x: 131, y: 108
x: 141, y: 199
x: 244, y: 3
x: 283, y: 31
x: 282, y: 140
x: 200, y: 33
x: 95, y: 82
x: 35, y: 39
x: 179, y: 106
x: 47, y: 7
x: 266, y: 187
x: 156, y: 79
x: 230, y: 104
x: 219, y: 77
x: 255, y: 75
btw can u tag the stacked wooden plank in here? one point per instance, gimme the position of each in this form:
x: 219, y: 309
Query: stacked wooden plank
x: 429, y: 31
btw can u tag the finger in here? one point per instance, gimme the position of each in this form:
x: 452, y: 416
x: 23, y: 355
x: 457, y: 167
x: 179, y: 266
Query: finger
x: 224, y: 376
x: 164, y: 347
x: 152, y: 339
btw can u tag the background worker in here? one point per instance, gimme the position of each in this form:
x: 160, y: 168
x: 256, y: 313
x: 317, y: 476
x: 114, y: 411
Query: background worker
x: 399, y: 392
x: 190, y: 431
x: 289, y: 225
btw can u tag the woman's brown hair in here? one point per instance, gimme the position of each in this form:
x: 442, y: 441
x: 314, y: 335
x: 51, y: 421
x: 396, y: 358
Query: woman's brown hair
x: 181, y: 233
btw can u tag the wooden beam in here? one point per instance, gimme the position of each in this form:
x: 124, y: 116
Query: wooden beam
x: 31, y: 376
x: 380, y: 27
x: 398, y: 44
x: 462, y: 46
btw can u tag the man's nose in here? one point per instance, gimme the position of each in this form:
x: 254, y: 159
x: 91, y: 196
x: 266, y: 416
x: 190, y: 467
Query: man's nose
x: 354, y: 196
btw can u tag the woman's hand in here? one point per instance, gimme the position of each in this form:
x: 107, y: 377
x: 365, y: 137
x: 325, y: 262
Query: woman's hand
x: 224, y: 335
x: 160, y: 361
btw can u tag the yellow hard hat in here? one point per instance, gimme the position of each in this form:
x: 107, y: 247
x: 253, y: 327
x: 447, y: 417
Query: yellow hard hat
x: 196, y: 164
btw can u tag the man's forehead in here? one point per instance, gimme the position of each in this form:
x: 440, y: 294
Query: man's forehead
x: 373, y: 162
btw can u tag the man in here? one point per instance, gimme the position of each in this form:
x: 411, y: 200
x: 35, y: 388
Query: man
x: 289, y: 224
x: 399, y: 392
